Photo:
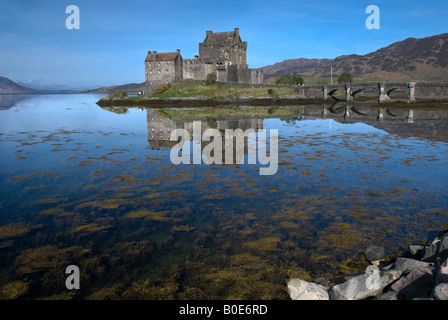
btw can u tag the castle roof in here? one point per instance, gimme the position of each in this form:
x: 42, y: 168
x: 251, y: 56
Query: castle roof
x: 222, y: 36
x: 162, y: 56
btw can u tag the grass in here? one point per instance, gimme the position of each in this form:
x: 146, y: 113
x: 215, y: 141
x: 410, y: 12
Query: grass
x: 218, y: 91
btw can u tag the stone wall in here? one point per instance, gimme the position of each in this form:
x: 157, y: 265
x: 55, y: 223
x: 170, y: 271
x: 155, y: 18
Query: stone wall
x: 195, y: 69
x: 431, y: 91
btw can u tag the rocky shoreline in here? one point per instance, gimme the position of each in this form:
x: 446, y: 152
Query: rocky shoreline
x: 421, y: 273
x: 198, y: 101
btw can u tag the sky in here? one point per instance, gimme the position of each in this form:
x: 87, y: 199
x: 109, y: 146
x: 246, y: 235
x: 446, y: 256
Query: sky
x: 113, y: 38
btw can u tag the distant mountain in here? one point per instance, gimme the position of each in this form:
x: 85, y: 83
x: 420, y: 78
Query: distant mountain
x: 8, y: 86
x: 419, y: 59
x: 131, y: 88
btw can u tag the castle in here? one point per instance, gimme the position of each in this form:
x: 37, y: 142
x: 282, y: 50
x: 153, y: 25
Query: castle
x: 221, y: 53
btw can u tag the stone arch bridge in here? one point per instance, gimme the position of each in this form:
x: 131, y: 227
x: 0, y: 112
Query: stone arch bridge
x: 413, y: 91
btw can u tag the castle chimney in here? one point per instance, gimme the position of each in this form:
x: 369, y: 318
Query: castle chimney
x: 178, y: 50
x: 237, y: 31
x: 154, y: 52
x: 208, y: 32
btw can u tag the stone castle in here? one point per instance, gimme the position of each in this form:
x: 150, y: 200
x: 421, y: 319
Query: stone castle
x: 221, y: 53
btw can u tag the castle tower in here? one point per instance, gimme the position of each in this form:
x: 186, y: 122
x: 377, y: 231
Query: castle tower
x: 161, y: 69
x: 223, y: 49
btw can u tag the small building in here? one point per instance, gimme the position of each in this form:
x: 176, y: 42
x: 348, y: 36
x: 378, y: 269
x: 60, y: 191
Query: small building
x: 162, y: 68
x: 222, y: 53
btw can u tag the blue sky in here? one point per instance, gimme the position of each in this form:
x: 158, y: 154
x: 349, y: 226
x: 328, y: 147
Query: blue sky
x: 114, y: 36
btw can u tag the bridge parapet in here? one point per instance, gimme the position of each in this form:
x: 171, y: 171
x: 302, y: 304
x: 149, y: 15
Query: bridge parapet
x: 414, y: 91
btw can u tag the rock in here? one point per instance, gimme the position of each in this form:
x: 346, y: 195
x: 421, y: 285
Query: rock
x: 203, y: 98
x: 325, y: 283
x: 417, y: 284
x: 442, y: 274
x: 245, y: 97
x: 430, y: 251
x: 416, y: 251
x: 389, y: 295
x: 407, y: 265
x: 441, y: 291
x: 374, y: 253
x: 106, y: 98
x: 356, y: 288
x: 437, y: 249
x: 303, y: 290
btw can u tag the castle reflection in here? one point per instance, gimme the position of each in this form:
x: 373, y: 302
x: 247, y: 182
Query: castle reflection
x: 429, y: 123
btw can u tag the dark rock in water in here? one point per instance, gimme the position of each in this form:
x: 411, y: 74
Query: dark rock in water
x: 323, y: 282
x: 375, y: 253
x: 340, y: 278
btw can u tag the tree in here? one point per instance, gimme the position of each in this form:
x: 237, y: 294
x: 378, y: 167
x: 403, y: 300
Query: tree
x: 291, y: 78
x: 345, y: 78
x: 210, y: 79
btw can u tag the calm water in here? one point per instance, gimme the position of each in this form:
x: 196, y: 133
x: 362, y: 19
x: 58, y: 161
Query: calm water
x: 91, y: 187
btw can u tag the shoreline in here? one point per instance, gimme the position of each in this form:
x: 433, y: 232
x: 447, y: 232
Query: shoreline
x: 420, y: 273
x: 203, y: 101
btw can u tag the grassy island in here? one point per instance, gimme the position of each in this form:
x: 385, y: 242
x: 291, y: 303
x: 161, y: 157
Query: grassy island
x: 220, y: 91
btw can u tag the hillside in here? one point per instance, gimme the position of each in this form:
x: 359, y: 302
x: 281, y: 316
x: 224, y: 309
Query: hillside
x: 8, y: 86
x: 424, y: 59
x: 131, y: 88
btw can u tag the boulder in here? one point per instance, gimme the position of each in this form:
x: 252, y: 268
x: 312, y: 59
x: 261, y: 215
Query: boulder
x: 245, y: 97
x: 416, y: 251
x: 442, y: 273
x: 418, y: 283
x: 441, y: 291
x: 203, y: 98
x: 303, y: 290
x: 375, y: 253
x: 437, y: 249
x: 356, y: 288
x: 389, y: 295
x: 407, y: 265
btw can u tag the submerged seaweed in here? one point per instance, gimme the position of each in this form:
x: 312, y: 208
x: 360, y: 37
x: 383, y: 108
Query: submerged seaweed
x: 140, y: 227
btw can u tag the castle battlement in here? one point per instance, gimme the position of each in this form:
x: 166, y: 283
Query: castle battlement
x: 222, y: 53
